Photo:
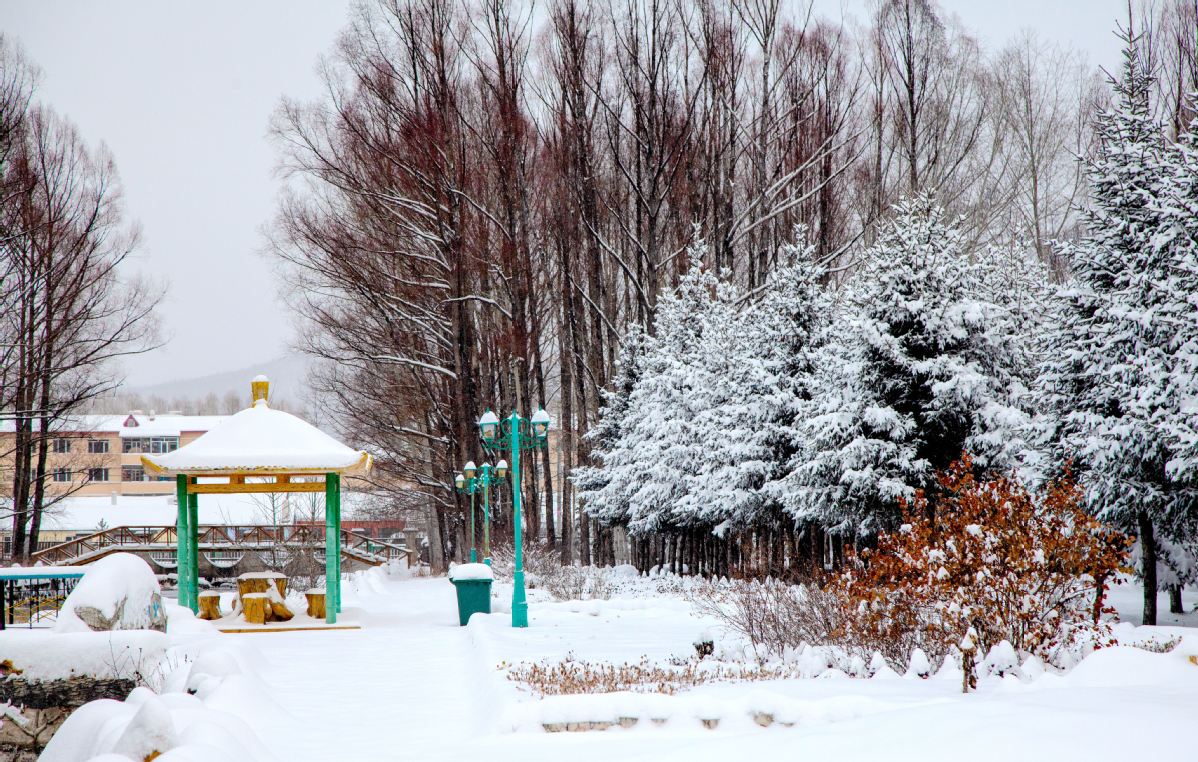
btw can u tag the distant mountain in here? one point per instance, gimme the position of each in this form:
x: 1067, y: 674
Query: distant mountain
x: 288, y: 381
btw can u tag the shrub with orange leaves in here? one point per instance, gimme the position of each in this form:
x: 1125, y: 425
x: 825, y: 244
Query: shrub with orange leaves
x: 1015, y: 565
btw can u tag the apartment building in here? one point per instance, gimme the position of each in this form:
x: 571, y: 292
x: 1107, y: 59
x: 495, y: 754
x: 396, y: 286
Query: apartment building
x: 101, y: 454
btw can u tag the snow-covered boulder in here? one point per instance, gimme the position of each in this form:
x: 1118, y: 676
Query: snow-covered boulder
x: 118, y: 592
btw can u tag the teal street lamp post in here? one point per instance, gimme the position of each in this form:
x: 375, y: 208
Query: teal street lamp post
x: 522, y: 434
x: 468, y: 484
x: 488, y: 475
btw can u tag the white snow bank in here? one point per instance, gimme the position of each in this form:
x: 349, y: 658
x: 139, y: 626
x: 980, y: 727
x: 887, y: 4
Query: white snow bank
x: 1121, y: 666
x: 178, y: 726
x: 118, y: 592
x: 48, y: 655
x: 470, y: 571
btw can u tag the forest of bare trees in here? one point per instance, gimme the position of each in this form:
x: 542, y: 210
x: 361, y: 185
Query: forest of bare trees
x: 490, y: 193
x: 67, y: 311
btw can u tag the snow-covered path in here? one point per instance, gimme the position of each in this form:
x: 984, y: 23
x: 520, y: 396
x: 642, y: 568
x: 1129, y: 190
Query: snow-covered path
x: 395, y: 685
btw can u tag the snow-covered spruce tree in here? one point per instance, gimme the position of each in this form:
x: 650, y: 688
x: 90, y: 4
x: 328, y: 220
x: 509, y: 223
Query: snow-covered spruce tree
x: 643, y: 474
x: 1108, y: 376
x: 1177, y: 415
x: 1179, y: 211
x: 920, y: 365
x: 763, y: 371
x: 603, y: 501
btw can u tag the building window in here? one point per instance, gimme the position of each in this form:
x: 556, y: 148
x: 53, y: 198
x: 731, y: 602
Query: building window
x: 97, y: 446
x: 62, y: 474
x: 150, y: 444
x: 97, y: 474
x: 133, y: 474
x: 62, y: 444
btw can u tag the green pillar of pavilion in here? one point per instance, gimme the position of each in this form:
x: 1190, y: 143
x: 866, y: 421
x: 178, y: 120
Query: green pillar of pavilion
x: 193, y: 555
x: 332, y: 546
x: 182, y: 542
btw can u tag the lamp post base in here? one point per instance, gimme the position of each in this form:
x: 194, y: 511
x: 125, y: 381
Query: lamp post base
x: 519, y: 601
x: 473, y: 556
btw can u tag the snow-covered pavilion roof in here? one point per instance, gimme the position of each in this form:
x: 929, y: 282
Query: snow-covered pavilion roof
x: 263, y: 441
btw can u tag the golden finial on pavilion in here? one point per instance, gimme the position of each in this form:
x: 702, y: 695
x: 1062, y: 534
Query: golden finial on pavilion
x: 260, y: 389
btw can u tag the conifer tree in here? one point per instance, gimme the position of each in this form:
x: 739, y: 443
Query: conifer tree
x: 645, y: 473
x: 764, y: 385
x: 610, y: 506
x: 919, y: 366
x: 1112, y: 354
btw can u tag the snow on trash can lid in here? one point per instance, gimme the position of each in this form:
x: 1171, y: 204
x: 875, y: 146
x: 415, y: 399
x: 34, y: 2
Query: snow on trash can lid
x: 463, y: 572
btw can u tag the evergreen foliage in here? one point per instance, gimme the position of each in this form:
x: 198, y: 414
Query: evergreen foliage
x: 926, y: 360
x: 1115, y: 376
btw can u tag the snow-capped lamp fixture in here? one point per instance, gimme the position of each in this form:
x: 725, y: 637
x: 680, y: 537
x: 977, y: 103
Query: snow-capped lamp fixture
x: 489, y: 426
x: 501, y: 468
x: 459, y: 481
x: 469, y: 469
x: 540, y: 426
x: 260, y: 390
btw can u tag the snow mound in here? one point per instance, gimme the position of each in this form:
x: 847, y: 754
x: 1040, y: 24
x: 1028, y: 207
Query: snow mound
x: 118, y: 592
x: 175, y: 724
x: 1120, y: 666
x: 48, y: 655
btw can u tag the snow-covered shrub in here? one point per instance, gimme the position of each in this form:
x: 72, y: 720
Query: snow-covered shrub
x: 578, y: 583
x: 1028, y: 568
x: 775, y: 616
x: 1018, y: 566
x: 540, y: 562
x: 1001, y: 659
x: 569, y: 676
x: 919, y: 665
x: 543, y: 570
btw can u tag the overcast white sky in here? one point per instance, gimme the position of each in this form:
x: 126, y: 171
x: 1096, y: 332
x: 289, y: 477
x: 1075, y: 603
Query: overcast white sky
x: 182, y: 94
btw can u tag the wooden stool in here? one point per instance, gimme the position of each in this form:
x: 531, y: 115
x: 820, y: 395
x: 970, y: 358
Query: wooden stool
x: 256, y: 607
x: 315, y: 598
x: 210, y: 605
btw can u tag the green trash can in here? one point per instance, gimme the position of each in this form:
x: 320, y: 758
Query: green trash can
x: 473, y: 585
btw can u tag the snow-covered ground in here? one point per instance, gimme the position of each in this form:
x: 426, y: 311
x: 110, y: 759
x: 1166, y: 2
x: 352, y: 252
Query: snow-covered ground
x: 413, y: 685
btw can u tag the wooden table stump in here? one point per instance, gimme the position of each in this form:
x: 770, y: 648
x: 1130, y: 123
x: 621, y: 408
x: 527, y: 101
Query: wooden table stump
x: 210, y: 605
x: 260, y: 582
x: 315, y: 603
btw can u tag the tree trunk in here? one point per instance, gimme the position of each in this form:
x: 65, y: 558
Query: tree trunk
x: 1175, y: 603
x: 1148, y: 566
